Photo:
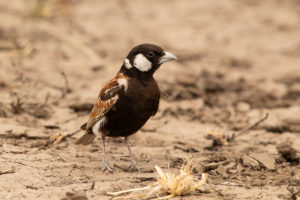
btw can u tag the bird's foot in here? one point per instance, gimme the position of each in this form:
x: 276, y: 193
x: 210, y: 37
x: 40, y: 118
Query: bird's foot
x: 107, y: 167
x: 133, y: 166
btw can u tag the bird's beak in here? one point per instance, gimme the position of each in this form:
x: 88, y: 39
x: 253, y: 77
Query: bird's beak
x: 167, y: 57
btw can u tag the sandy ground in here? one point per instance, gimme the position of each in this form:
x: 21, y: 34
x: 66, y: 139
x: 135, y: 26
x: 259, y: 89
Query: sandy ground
x: 238, y: 60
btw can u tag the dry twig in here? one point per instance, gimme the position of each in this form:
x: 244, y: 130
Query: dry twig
x: 251, y: 126
x: 7, y: 172
x: 59, y: 137
x: 66, y: 88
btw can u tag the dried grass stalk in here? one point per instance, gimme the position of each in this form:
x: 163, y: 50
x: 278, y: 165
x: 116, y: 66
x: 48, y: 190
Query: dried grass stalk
x: 168, y: 185
x: 57, y: 138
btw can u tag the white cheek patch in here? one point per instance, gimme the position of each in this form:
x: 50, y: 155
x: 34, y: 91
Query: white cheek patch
x: 98, y: 126
x: 123, y: 81
x: 142, y: 63
x: 127, y: 64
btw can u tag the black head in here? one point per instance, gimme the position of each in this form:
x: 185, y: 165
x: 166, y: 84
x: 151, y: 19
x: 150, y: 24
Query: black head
x: 145, y: 59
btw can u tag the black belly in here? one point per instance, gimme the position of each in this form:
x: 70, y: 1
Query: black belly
x: 129, y: 115
x: 133, y: 109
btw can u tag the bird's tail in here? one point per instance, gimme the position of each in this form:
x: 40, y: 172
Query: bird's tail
x: 87, y: 138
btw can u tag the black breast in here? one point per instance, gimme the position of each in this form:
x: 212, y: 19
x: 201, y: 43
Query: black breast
x: 133, y: 109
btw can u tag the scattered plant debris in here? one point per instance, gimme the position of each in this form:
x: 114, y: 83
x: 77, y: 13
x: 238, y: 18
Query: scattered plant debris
x: 56, y: 138
x: 168, y: 184
x: 220, y: 139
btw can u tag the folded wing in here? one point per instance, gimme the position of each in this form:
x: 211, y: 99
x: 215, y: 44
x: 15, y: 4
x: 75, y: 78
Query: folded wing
x: 107, y: 98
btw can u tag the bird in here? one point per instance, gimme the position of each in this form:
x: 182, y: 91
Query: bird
x: 128, y: 100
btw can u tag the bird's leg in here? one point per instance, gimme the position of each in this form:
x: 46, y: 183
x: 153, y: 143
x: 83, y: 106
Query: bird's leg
x: 132, y: 160
x: 105, y: 163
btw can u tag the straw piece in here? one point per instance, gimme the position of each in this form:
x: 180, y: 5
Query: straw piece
x: 129, y: 190
x: 168, y: 184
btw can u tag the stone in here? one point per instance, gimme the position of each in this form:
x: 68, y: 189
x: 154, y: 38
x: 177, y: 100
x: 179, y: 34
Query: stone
x: 265, y: 159
x: 250, y: 162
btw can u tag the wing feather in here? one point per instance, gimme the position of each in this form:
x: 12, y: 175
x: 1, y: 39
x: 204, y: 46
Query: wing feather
x: 107, y: 98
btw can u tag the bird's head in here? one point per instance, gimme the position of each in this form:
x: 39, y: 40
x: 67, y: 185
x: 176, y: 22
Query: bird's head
x: 145, y: 59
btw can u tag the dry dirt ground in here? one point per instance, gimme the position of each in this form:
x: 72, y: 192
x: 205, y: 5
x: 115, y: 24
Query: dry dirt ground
x: 237, y: 61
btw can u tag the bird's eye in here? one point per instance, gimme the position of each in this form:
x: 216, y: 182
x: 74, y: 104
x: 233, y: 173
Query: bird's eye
x: 151, y: 54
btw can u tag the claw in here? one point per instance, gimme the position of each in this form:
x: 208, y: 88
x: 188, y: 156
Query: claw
x: 134, y: 167
x: 107, y: 167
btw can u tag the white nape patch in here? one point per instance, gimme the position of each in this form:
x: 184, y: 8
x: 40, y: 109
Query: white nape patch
x: 142, y: 63
x: 127, y: 63
x: 99, y: 124
x: 123, y: 81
